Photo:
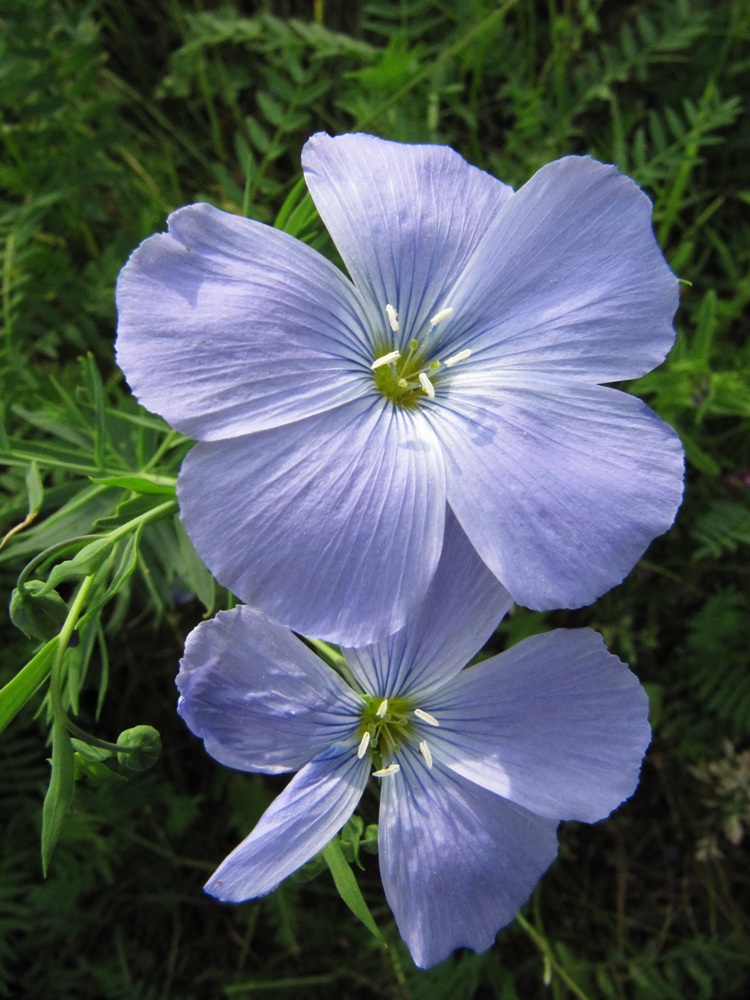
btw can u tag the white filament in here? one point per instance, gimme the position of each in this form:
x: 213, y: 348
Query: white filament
x: 425, y: 751
x: 392, y: 317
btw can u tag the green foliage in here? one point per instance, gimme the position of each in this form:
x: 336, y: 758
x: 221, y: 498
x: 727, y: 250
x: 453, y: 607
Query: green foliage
x: 113, y: 115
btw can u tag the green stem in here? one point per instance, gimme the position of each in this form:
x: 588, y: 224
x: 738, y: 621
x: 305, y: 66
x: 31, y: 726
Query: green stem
x: 155, y: 514
x: 51, y: 551
x: 58, y: 709
x: 94, y: 741
x: 549, y: 957
x: 169, y: 441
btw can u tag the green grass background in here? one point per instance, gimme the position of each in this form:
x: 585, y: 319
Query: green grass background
x: 115, y: 112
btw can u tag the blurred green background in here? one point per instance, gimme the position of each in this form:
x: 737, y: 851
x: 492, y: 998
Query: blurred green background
x: 113, y: 114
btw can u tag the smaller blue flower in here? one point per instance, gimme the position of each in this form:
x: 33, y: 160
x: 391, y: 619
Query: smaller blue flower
x: 476, y: 767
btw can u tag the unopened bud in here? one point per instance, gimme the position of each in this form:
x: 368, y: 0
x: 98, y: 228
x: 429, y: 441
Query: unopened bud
x: 37, y: 617
x: 146, y: 744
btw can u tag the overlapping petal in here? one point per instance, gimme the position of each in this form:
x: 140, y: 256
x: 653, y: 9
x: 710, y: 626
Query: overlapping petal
x: 332, y: 525
x: 569, y: 279
x: 559, y: 486
x: 556, y: 724
x: 457, y: 861
x: 460, y: 611
x: 300, y: 822
x: 228, y: 326
x: 258, y: 697
x: 405, y: 218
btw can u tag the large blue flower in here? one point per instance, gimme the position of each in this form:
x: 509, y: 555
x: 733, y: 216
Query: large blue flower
x: 477, y: 766
x: 460, y: 368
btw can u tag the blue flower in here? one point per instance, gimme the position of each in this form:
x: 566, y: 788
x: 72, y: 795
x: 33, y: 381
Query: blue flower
x: 460, y: 368
x: 476, y: 767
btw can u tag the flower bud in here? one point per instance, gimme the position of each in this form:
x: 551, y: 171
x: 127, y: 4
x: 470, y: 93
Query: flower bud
x: 37, y: 617
x: 146, y: 743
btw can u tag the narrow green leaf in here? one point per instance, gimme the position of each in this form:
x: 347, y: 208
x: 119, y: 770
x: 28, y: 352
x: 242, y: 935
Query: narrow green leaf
x: 60, y: 792
x: 346, y: 884
x: 706, y: 321
x: 291, y: 202
x: 193, y: 570
x: 18, y: 690
x: 84, y: 563
x: 93, y: 382
x: 126, y: 565
x: 140, y: 483
x: 35, y: 489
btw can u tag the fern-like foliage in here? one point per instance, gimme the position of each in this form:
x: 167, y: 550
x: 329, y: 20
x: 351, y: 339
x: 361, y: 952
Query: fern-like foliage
x: 725, y: 527
x: 717, y: 657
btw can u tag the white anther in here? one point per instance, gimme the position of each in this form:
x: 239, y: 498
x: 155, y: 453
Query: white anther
x: 385, y: 771
x: 392, y: 317
x: 383, y: 709
x: 425, y: 751
x: 426, y: 717
x: 385, y: 360
x: 427, y: 385
x: 457, y: 358
x: 440, y: 316
x: 363, y: 745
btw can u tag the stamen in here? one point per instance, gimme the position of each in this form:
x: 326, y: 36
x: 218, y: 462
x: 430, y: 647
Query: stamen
x: 392, y: 317
x: 384, y: 772
x: 363, y: 745
x: 461, y: 356
x: 383, y: 709
x: 425, y: 751
x: 426, y: 717
x: 440, y: 316
x: 427, y: 385
x: 385, y: 360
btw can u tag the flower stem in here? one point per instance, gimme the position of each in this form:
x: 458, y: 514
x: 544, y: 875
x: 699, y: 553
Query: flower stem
x: 550, y: 961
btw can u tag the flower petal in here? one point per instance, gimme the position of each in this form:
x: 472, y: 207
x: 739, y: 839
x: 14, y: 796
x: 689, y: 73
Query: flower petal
x: 457, y: 861
x: 309, y: 812
x: 333, y: 525
x: 227, y: 326
x: 557, y: 724
x: 459, y: 613
x: 258, y: 697
x: 569, y: 279
x: 405, y: 218
x: 559, y: 486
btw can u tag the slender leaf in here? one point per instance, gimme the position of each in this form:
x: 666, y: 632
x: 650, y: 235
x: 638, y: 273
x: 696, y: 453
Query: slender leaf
x: 59, y: 794
x: 18, y: 690
x: 346, y: 884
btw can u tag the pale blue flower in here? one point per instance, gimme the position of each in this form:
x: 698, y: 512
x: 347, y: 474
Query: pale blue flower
x: 476, y: 767
x: 459, y: 368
